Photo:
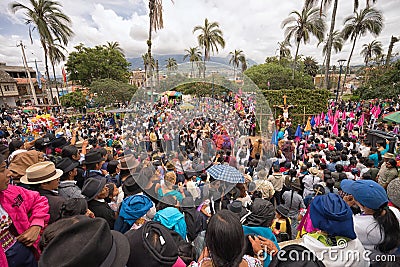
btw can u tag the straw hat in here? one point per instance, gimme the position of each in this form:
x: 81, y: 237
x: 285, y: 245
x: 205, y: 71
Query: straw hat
x: 41, y: 172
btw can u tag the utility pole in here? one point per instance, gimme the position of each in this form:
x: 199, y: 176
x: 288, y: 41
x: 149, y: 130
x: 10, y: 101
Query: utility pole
x: 29, y: 74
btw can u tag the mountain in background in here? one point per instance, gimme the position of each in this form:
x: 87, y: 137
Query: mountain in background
x: 137, y: 62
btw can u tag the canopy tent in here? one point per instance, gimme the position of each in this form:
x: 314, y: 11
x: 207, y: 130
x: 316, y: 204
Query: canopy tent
x: 172, y: 93
x: 392, y: 117
x: 186, y: 106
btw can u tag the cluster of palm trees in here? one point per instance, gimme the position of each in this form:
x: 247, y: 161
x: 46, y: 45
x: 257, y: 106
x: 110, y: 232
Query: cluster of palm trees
x: 54, y: 29
x: 310, y: 21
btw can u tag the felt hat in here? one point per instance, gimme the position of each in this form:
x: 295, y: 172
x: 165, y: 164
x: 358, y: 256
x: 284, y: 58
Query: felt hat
x: 282, y: 210
x: 152, y: 245
x: 369, y: 193
x: 170, y: 166
x: 41, y: 172
x: 331, y: 214
x: 130, y: 186
x: 92, y: 187
x: 79, y: 144
x: 22, y: 161
x: 93, y: 157
x: 393, y: 192
x: 235, y: 206
x: 128, y: 162
x: 262, y: 213
x: 67, y: 165
x: 88, y: 242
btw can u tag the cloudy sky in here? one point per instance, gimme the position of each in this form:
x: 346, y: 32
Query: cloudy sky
x: 251, y: 25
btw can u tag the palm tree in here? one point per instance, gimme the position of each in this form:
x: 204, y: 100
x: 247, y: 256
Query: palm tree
x: 393, y: 40
x: 367, y: 20
x: 337, y: 45
x: 237, y: 57
x: 56, y: 55
x: 325, y: 4
x: 148, y: 63
x: 210, y: 37
x: 171, y: 64
x: 301, y: 25
x: 284, y: 50
x: 46, y: 17
x: 114, y: 46
x: 373, y: 48
x: 310, y: 66
x: 194, y: 54
x: 156, y: 23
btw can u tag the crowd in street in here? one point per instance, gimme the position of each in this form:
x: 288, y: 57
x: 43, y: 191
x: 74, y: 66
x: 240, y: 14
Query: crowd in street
x: 175, y: 185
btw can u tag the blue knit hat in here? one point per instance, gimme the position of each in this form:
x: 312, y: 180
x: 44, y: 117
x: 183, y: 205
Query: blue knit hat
x: 331, y: 214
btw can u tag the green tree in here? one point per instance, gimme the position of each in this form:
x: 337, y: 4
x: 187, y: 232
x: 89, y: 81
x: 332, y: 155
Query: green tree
x: 278, y: 76
x: 114, y: 46
x: 171, y: 64
x: 370, y: 49
x: 209, y: 38
x: 52, y: 25
x: 194, y: 55
x: 74, y: 99
x: 300, y: 26
x: 56, y: 55
x: 310, y: 66
x: 89, y: 64
x: 367, y: 20
x: 108, y: 91
x: 237, y: 57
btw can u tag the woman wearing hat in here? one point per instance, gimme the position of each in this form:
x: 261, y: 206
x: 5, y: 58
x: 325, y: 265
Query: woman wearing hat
x: 336, y: 242
x: 281, y: 226
x: 378, y: 226
x: 44, y: 178
x: 23, y: 213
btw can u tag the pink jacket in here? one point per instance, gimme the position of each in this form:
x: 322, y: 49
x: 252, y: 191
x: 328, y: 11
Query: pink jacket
x: 18, y: 202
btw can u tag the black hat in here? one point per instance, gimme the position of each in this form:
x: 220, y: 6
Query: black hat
x: 262, y: 213
x: 88, y: 242
x: 235, y: 206
x: 130, y: 186
x: 59, y: 142
x: 67, y: 165
x: 145, y: 251
x: 93, y: 157
x: 92, y: 187
x: 73, y: 207
x: 283, y: 210
x: 306, y: 257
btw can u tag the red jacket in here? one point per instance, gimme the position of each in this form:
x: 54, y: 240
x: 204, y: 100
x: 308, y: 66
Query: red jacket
x: 18, y: 202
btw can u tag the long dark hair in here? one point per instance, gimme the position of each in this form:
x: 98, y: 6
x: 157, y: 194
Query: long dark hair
x: 225, y: 239
x: 389, y: 224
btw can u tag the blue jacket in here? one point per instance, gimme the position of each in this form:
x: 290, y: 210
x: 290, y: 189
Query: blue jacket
x: 173, y: 219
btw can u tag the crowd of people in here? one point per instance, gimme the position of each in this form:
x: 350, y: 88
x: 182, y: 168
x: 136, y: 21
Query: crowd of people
x: 142, y: 189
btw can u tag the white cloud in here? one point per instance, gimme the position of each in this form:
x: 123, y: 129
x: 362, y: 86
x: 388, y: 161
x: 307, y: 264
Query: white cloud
x: 253, y: 26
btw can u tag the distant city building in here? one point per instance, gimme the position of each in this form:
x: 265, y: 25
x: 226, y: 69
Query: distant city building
x: 23, y: 94
x: 138, y: 78
x: 352, y: 81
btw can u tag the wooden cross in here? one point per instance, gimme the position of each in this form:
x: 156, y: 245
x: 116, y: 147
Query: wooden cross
x: 284, y: 99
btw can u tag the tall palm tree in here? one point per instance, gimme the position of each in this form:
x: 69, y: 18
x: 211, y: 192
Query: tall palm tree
x: 149, y: 64
x: 301, y: 25
x: 209, y: 38
x: 367, y: 20
x: 337, y: 45
x: 284, y: 50
x: 370, y: 49
x: 156, y: 23
x: 194, y: 54
x: 310, y: 66
x: 325, y: 4
x: 393, y: 40
x: 56, y: 55
x: 46, y: 17
x: 237, y: 57
x: 171, y: 64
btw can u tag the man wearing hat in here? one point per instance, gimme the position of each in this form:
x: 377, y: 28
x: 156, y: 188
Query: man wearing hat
x: 388, y: 170
x: 68, y: 188
x: 96, y: 191
x: 45, y: 178
x: 93, y: 162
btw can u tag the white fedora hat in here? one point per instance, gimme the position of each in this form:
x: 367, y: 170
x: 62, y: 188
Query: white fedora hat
x: 40, y: 173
